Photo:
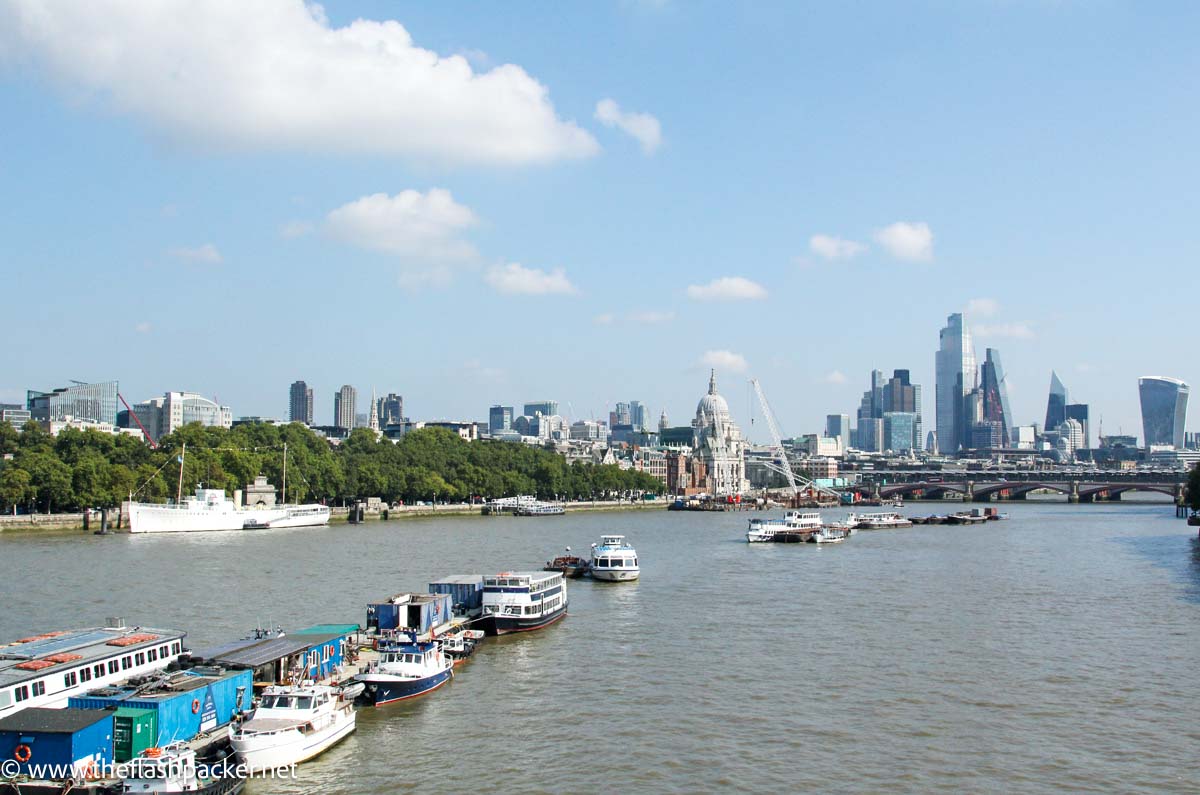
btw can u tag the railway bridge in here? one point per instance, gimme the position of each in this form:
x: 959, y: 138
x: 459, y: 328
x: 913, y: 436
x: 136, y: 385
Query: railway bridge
x: 988, y: 486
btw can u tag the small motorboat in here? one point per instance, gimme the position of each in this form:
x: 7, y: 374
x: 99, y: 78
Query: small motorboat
x: 827, y: 535
x: 292, y: 724
x: 460, y: 644
x: 351, y: 690
x: 569, y: 565
x: 174, y: 768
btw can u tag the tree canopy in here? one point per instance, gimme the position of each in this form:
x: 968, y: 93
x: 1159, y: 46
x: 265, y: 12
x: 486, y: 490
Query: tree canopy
x: 82, y: 469
x: 1193, y: 488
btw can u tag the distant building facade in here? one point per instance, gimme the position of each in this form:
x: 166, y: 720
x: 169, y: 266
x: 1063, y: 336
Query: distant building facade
x: 1164, y: 409
x: 547, y: 407
x: 344, y: 400
x: 1056, y: 403
x: 300, y: 403
x: 956, y: 376
x: 163, y: 415
x: 994, y: 390
x: 91, y: 402
x: 500, y: 418
x: 718, y: 444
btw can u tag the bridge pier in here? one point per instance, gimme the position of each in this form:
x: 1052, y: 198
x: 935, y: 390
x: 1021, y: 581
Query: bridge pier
x: 969, y: 494
x: 1074, y: 495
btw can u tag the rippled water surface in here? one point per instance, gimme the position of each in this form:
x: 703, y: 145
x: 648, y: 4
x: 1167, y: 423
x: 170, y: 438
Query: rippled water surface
x: 1059, y: 650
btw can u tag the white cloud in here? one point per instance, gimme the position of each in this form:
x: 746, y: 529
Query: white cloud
x: 419, y: 228
x: 982, y: 307
x: 727, y: 288
x: 516, y: 279
x: 604, y: 319
x: 1018, y: 331
x: 274, y: 74
x: 206, y: 254
x: 909, y: 241
x: 651, y: 318
x: 143, y: 327
x: 835, y: 377
x: 641, y: 126
x: 294, y: 229
x: 724, y: 360
x: 834, y: 248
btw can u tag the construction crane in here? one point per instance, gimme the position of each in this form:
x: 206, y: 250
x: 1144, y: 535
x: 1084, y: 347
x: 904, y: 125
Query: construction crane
x: 783, y: 466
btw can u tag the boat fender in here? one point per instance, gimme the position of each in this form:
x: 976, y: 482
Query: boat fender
x: 22, y: 753
x: 195, y: 706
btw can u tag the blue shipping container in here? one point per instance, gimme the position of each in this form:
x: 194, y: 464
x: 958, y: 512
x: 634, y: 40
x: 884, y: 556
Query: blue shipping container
x: 80, y: 738
x: 195, y: 701
x: 417, y: 611
x: 466, y: 593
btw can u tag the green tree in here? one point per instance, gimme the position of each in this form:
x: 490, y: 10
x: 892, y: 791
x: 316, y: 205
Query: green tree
x: 14, y: 487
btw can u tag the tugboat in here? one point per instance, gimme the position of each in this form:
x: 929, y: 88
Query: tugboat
x: 569, y: 565
x: 292, y: 724
x: 405, y: 670
x: 174, y: 769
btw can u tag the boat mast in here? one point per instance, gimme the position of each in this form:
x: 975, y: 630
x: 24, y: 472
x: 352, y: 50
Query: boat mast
x: 179, y: 489
x: 285, y: 473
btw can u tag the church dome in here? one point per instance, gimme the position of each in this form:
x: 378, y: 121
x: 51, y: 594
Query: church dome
x: 712, y: 404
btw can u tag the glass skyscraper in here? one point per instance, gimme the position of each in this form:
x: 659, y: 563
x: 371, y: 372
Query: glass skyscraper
x: 1056, y: 404
x: 94, y: 402
x: 957, y: 375
x: 995, y: 396
x: 500, y: 418
x: 1164, y: 408
x: 300, y: 403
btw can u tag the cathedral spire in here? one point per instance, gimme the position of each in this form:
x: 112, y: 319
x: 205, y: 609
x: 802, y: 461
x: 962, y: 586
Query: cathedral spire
x: 373, y: 420
x: 712, y: 382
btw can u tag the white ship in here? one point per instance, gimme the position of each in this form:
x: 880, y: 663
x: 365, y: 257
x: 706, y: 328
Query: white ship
x: 211, y: 509
x: 762, y: 530
x: 613, y: 559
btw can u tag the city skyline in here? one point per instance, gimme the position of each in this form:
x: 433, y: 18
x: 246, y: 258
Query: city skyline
x: 589, y: 233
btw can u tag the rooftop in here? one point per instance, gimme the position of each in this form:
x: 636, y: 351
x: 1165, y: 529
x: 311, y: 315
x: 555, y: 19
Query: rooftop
x: 32, y: 657
x: 59, y: 721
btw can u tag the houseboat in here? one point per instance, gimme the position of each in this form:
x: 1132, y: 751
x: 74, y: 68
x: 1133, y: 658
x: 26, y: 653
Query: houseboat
x: 613, y: 559
x: 292, y: 724
x: 522, y: 601
x: 878, y: 521
x: 47, y: 670
x: 764, y: 530
x: 405, y: 669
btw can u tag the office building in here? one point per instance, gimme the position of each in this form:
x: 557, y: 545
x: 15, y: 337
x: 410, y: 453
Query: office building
x: 902, y: 396
x: 300, y: 403
x: 163, y: 415
x: 1056, y: 403
x: 1164, y: 409
x: 994, y: 389
x: 500, y: 419
x: 1079, y: 413
x: 987, y: 435
x: 621, y: 416
x: 344, y: 400
x: 637, y: 415
x: 547, y: 407
x: 899, y: 431
x: 838, y: 427
x: 390, y: 409
x: 90, y: 402
x: 870, y: 435
x: 956, y: 376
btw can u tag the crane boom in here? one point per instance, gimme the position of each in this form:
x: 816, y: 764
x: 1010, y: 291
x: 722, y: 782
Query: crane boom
x: 776, y: 438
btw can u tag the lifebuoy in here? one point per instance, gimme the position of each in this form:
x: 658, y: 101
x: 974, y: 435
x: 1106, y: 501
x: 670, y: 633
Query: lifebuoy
x: 22, y: 753
x: 195, y: 705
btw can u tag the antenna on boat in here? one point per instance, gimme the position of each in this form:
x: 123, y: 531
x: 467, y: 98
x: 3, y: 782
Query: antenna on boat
x: 285, y: 473
x: 179, y: 489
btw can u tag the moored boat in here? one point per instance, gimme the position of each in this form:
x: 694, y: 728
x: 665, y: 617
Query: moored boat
x: 460, y: 644
x: 522, y: 601
x: 827, y: 535
x: 793, y: 522
x: 878, y: 521
x: 571, y: 566
x: 404, y: 670
x: 175, y: 768
x: 292, y: 724
x: 614, y: 559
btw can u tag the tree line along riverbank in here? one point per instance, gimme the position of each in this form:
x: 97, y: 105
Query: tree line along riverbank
x: 78, y: 470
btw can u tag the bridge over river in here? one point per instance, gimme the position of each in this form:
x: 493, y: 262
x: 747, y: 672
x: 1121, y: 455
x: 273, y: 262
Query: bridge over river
x: 987, y: 486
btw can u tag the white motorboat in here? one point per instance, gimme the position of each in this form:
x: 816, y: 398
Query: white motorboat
x: 614, y: 559
x: 405, y: 669
x: 763, y: 530
x: 174, y: 768
x: 292, y: 724
x: 827, y: 535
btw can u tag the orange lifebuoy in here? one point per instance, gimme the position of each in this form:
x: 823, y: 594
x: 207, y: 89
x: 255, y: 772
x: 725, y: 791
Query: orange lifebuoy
x: 152, y: 753
x: 195, y: 705
x: 22, y: 753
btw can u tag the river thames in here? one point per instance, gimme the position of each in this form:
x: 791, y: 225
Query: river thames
x: 1059, y: 650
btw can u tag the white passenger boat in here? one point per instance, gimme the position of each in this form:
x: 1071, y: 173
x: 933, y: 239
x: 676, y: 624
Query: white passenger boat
x: 523, y: 601
x: 878, y: 521
x: 292, y: 724
x: 827, y: 535
x: 763, y: 530
x: 614, y: 559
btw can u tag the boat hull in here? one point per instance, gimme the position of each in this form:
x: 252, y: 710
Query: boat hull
x: 506, y: 625
x: 284, y: 749
x: 386, y: 689
x: 616, y: 575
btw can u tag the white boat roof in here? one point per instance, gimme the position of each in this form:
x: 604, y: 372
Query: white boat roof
x: 70, y: 649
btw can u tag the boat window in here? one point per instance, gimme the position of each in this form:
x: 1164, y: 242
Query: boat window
x: 152, y: 655
x: 5, y: 699
x: 140, y: 657
x: 634, y: 562
x: 69, y: 679
x: 113, y: 666
x: 126, y: 663
x: 267, y: 702
x: 21, y: 693
x: 39, y: 688
x: 85, y: 674
x: 98, y: 670
x: 305, y: 702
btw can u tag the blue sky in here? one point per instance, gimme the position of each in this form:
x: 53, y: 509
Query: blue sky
x: 219, y: 199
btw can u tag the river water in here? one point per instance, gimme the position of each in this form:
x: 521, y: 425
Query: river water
x: 1059, y: 650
